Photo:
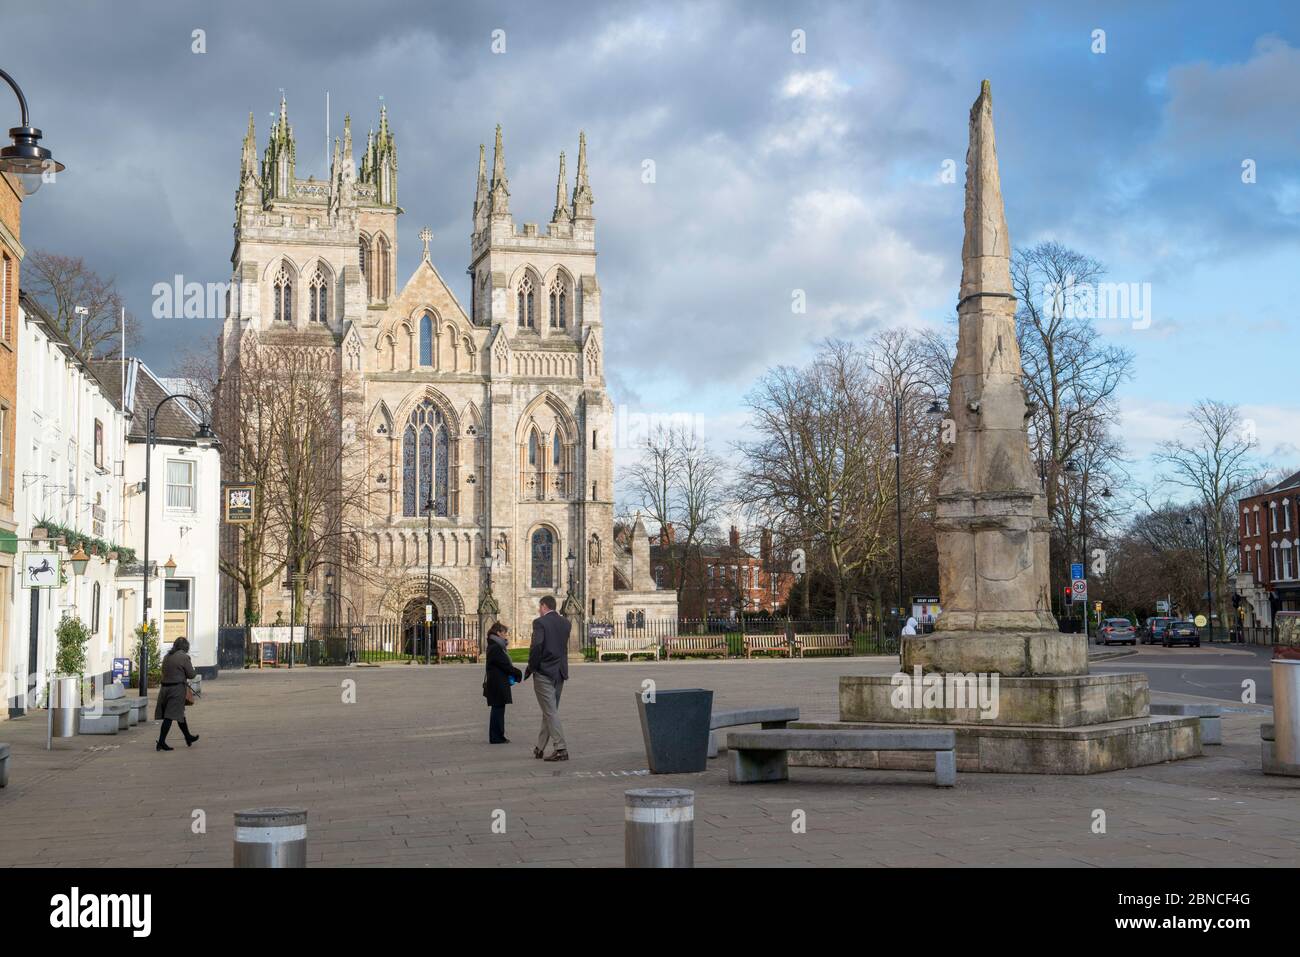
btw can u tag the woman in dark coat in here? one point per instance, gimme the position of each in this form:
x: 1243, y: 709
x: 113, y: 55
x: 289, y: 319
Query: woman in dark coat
x: 176, y: 670
x: 496, y: 685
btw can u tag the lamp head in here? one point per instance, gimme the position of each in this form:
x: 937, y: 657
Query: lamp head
x: 80, y: 560
x: 170, y: 568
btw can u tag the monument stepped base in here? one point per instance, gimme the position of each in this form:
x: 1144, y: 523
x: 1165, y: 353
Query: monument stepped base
x: 1083, y: 749
x: 1008, y: 653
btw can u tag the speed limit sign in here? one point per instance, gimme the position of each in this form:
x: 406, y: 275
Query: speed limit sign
x: 1079, y: 591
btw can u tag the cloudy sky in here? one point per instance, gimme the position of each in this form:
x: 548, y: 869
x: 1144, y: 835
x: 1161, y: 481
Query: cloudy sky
x: 774, y: 170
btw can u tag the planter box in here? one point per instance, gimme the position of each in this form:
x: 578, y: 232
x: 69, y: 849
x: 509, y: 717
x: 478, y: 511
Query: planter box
x: 675, y: 726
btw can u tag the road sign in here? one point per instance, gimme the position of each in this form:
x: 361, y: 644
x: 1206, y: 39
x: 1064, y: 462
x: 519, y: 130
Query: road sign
x: 1201, y: 621
x: 1162, y: 606
x: 1079, y: 590
x: 1076, y: 570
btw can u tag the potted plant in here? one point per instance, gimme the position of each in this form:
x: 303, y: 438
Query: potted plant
x: 147, y: 635
x: 70, y: 659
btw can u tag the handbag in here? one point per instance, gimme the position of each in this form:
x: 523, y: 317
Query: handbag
x: 189, y: 695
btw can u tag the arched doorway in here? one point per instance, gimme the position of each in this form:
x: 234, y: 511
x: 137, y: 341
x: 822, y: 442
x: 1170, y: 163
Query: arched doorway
x: 418, y: 640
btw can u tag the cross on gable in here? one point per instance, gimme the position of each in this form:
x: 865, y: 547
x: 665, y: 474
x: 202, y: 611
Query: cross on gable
x: 425, y: 237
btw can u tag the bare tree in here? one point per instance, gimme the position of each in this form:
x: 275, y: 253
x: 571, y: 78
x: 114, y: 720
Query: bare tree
x: 63, y: 284
x: 1213, y: 460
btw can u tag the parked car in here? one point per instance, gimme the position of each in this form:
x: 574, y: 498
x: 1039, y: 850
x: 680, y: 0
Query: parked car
x: 1154, y: 630
x: 1182, y: 633
x: 1116, y: 631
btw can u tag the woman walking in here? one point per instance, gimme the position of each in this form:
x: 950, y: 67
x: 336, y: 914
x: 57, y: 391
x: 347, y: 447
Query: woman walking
x: 176, y: 670
x: 501, y: 674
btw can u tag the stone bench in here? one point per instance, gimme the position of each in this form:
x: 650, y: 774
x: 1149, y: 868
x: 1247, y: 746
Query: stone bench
x: 1211, y: 716
x: 628, y: 645
x: 1268, y: 755
x: 4, y: 765
x: 767, y: 718
x: 105, y: 717
x: 758, y: 756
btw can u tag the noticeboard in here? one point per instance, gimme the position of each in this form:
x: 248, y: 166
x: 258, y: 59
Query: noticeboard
x: 270, y: 655
x: 596, y: 630
x: 121, y: 669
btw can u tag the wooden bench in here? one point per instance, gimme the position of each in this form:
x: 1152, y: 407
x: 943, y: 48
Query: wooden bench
x: 458, y: 648
x: 806, y: 643
x: 758, y: 756
x: 778, y: 643
x: 1211, y: 716
x: 697, y: 645
x: 764, y: 717
x: 4, y: 765
x: 627, y: 645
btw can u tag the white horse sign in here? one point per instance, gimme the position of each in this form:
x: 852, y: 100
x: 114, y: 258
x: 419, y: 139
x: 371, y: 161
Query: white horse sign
x: 42, y: 569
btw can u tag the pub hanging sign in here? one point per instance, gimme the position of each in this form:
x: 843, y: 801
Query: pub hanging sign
x: 239, y: 503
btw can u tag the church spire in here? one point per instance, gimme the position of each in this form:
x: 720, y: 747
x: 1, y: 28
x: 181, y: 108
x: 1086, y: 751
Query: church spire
x: 561, y: 213
x: 379, y: 165
x: 582, y: 189
x: 248, y: 163
x: 499, y: 200
x: 986, y: 249
x: 280, y: 157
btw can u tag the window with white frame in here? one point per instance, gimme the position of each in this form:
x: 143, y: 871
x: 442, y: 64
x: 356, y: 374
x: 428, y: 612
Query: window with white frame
x: 1272, y: 516
x: 180, y: 484
x: 1286, y: 515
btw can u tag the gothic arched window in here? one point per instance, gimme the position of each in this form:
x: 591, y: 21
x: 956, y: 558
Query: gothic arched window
x: 426, y: 340
x: 426, y: 454
x: 363, y: 249
x: 555, y: 449
x: 383, y: 269
x: 318, y: 296
x: 559, y: 305
x: 283, y: 295
x: 543, y: 549
x: 532, y: 448
x: 526, y: 302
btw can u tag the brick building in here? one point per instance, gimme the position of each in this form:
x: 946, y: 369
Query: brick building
x: 721, y: 581
x: 1269, y: 542
x: 11, y: 255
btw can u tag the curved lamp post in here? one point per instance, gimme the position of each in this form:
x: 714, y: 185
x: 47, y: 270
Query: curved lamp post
x: 204, y: 438
x: 26, y: 158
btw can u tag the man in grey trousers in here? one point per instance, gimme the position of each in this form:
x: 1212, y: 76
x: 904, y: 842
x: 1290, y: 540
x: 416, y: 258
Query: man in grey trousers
x: 548, y: 666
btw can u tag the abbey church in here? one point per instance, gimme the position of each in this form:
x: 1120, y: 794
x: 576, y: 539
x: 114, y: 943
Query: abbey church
x: 490, y: 420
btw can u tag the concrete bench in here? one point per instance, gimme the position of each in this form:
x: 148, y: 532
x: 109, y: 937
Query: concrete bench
x: 1268, y: 761
x: 1211, y: 716
x: 767, y: 718
x: 778, y: 643
x: 758, y: 756
x: 627, y: 645
x: 4, y: 765
x: 832, y: 643
x: 697, y: 645
x: 105, y: 717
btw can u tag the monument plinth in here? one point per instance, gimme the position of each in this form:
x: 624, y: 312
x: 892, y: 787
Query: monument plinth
x: 1037, y: 708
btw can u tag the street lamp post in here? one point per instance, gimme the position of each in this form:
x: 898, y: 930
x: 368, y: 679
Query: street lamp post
x: 26, y: 158
x: 934, y: 409
x: 428, y: 581
x: 203, y: 439
x: 1209, y: 591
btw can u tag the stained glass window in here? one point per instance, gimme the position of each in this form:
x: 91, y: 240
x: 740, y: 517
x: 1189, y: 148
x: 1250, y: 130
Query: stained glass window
x: 559, y: 305
x: 283, y: 296
x: 555, y: 450
x: 526, y: 304
x: 543, y: 559
x: 426, y: 340
x: 426, y: 457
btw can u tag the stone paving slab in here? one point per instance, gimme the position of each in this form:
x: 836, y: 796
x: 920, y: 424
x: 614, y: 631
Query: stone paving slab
x: 404, y: 777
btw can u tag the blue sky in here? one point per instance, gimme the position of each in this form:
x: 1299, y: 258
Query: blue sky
x: 774, y: 171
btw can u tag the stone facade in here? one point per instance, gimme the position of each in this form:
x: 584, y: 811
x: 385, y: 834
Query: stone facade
x: 498, y: 413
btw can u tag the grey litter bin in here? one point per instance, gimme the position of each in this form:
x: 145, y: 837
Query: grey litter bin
x: 659, y: 827
x: 1286, y: 710
x: 64, y: 705
x: 675, y: 728
x: 271, y: 837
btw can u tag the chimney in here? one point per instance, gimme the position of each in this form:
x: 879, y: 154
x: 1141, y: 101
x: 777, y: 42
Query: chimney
x: 735, y: 537
x: 765, y: 546
x: 666, y: 533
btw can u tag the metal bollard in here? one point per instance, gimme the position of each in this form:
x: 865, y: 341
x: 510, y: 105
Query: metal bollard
x: 1286, y: 710
x: 271, y: 837
x: 64, y: 705
x: 659, y: 827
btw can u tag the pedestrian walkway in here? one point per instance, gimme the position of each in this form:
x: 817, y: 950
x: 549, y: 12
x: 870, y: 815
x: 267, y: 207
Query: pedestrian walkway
x: 405, y: 777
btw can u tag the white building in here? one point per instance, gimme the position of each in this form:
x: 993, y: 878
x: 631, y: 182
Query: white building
x: 69, y: 451
x: 185, y: 512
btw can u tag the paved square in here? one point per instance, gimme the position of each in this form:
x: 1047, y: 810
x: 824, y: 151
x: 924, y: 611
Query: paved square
x: 405, y: 777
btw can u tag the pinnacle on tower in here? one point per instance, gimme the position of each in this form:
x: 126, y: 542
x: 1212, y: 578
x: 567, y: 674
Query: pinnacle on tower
x: 582, y: 189
x: 561, y: 213
x: 499, y: 200
x: 248, y: 162
x: 481, y: 190
x: 280, y: 157
x: 379, y: 165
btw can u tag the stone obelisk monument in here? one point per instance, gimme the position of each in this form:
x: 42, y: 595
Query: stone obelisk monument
x: 992, y: 516
x: 1014, y: 689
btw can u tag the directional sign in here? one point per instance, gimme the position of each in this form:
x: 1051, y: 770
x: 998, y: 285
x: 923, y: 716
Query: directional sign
x: 1162, y: 606
x: 1079, y: 591
x: 1076, y: 570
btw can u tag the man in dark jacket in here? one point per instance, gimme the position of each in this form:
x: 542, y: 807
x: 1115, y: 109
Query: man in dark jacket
x: 548, y: 665
x: 496, y: 683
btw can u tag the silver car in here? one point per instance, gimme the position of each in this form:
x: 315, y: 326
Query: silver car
x: 1117, y: 631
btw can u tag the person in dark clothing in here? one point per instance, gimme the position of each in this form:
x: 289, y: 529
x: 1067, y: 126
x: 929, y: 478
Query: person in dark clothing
x: 177, y: 669
x: 548, y: 665
x: 496, y: 684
